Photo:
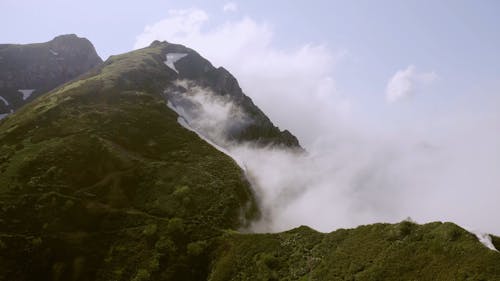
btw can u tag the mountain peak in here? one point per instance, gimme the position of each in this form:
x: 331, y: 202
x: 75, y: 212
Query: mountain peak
x: 164, y: 65
x: 30, y: 70
x: 71, y: 36
x: 157, y: 43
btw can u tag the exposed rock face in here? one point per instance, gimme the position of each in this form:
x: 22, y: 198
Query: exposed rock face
x: 28, y: 71
x: 195, y: 68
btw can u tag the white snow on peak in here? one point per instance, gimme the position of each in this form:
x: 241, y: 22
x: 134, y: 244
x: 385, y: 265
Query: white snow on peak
x: 485, y: 239
x: 53, y: 52
x: 172, y: 58
x: 26, y: 93
x: 4, y: 100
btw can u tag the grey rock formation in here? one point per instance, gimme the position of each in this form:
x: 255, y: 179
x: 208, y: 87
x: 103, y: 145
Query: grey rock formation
x: 194, y: 67
x: 28, y: 71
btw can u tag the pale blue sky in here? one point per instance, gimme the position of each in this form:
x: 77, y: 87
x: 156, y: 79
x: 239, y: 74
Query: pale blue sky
x: 458, y: 40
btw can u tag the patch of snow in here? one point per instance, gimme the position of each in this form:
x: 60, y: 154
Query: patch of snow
x: 4, y: 100
x: 3, y: 115
x: 485, y: 239
x: 26, y: 93
x: 53, y: 52
x: 172, y: 58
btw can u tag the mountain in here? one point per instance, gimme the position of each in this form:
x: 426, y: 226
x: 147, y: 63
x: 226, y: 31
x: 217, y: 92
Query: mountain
x: 99, y: 181
x: 107, y: 178
x: 28, y: 71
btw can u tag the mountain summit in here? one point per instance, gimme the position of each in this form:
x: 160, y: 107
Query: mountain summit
x: 190, y: 74
x: 28, y: 71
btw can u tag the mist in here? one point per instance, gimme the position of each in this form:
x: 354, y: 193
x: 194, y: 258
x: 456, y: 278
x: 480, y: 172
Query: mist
x: 356, y: 178
x: 409, y: 148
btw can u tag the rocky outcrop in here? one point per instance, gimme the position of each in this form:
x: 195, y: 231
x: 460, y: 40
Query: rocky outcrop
x: 28, y: 71
x: 195, y: 68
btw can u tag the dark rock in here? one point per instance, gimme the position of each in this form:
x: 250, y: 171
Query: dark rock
x: 196, y: 68
x: 42, y: 67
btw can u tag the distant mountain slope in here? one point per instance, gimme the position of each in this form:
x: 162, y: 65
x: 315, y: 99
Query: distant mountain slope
x: 28, y: 71
x: 403, y: 251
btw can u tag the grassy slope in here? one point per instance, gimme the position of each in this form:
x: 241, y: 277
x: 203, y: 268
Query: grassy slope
x: 404, y: 251
x: 99, y: 182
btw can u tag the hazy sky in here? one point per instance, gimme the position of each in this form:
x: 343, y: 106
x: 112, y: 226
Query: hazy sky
x: 458, y: 42
x: 404, y: 95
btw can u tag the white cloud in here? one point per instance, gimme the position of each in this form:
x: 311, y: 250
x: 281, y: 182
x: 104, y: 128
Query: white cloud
x: 230, y: 7
x: 406, y: 83
x: 179, y: 23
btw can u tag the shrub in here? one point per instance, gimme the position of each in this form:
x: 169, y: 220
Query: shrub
x: 197, y: 248
x: 150, y: 230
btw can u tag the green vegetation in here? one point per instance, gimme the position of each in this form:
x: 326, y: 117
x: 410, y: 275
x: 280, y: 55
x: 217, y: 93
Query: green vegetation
x: 98, y: 181
x: 404, y: 251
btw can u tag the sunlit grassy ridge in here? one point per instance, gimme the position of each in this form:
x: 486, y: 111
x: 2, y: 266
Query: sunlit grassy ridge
x: 98, y: 181
x: 404, y: 251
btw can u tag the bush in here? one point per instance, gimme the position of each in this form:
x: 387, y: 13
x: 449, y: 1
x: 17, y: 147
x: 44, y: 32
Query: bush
x: 269, y: 260
x: 150, y: 230
x: 165, y: 245
x: 197, y: 248
x: 142, y: 275
x: 175, y: 226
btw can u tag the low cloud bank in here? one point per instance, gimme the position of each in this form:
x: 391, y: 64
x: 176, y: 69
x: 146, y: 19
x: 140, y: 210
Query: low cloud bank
x: 351, y: 180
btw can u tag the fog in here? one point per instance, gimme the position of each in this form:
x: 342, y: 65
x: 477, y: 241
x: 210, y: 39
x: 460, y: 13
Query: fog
x: 356, y: 178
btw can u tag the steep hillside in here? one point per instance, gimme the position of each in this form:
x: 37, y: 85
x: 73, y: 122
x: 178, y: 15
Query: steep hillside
x: 98, y: 181
x: 28, y: 71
